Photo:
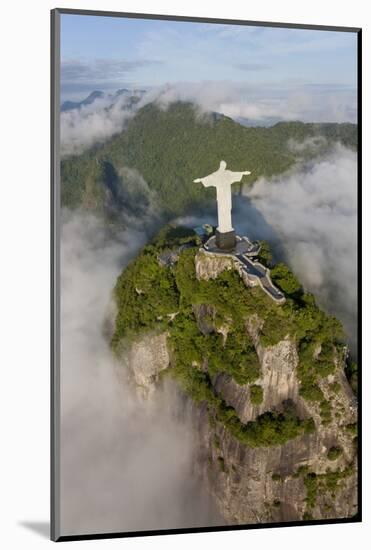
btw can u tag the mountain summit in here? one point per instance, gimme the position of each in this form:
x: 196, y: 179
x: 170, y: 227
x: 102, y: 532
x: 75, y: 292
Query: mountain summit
x: 69, y: 105
x: 274, y: 415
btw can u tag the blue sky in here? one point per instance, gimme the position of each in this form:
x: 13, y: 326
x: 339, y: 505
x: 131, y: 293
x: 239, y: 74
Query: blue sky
x: 108, y: 53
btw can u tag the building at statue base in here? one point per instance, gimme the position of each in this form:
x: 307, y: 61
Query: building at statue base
x: 225, y: 241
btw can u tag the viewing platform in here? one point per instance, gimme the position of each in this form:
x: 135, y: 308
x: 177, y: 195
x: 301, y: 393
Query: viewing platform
x: 251, y: 271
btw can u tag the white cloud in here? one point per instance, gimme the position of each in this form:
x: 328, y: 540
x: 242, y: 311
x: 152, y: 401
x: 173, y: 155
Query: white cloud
x: 91, y: 124
x: 125, y: 465
x: 290, y: 101
x: 312, y: 212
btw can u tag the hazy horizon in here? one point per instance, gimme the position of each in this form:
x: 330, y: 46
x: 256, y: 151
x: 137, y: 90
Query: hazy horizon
x: 262, y: 71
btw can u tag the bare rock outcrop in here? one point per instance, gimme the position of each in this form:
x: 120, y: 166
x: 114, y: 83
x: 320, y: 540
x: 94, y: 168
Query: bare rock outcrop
x: 254, y: 485
x: 210, y: 267
x: 278, y: 381
x: 145, y: 358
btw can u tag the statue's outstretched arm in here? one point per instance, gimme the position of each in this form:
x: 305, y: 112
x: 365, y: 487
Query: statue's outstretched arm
x: 205, y: 182
x: 240, y: 175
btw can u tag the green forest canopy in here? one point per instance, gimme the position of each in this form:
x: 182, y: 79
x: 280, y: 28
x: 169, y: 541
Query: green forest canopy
x: 149, y: 294
x: 172, y: 147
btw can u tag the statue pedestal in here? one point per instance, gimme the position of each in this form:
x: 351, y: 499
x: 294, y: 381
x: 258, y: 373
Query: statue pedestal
x: 225, y: 241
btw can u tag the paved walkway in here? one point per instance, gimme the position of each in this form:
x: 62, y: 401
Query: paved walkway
x: 257, y: 270
x: 244, y: 250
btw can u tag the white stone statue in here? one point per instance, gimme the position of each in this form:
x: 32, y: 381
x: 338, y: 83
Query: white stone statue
x: 222, y: 179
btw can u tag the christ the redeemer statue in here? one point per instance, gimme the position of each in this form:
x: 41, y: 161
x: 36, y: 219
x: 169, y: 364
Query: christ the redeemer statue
x: 222, y: 179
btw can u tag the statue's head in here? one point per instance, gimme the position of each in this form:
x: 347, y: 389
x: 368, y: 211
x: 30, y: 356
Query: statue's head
x: 223, y: 165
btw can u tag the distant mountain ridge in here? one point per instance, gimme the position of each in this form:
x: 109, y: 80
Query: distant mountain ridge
x: 98, y: 94
x: 171, y: 147
x: 69, y: 105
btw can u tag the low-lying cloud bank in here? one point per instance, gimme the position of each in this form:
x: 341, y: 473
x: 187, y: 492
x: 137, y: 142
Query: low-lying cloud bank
x: 125, y: 464
x: 310, y: 215
x: 262, y: 104
x: 249, y: 104
x: 92, y: 124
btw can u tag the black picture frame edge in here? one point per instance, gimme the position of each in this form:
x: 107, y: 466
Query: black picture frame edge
x: 55, y: 534
x: 55, y: 277
x: 359, y: 270
x: 198, y: 19
x: 214, y: 529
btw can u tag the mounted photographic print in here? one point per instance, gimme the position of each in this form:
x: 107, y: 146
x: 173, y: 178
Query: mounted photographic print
x: 205, y: 275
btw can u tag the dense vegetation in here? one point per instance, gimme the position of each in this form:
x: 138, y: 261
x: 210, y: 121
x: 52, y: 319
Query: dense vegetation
x: 256, y: 394
x: 155, y: 297
x: 334, y: 453
x: 320, y: 484
x: 170, y: 148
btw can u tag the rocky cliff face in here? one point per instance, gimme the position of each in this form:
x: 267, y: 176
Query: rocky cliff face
x: 145, y: 359
x: 311, y: 476
x: 264, y: 484
x: 209, y: 267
